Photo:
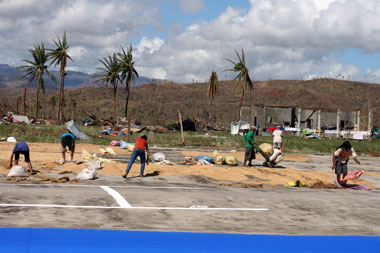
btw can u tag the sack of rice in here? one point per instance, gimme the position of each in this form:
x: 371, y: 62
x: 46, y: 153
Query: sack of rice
x: 266, y: 148
x: 219, y: 160
x: 130, y: 147
x: 231, y: 160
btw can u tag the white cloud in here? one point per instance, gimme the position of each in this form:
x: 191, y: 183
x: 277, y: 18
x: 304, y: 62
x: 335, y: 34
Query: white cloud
x: 281, y: 38
x: 149, y: 46
x: 192, y: 6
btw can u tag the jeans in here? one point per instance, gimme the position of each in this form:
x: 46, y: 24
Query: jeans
x: 137, y: 152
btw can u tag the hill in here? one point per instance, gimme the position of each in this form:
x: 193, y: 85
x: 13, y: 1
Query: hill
x: 10, y: 77
x: 158, y: 103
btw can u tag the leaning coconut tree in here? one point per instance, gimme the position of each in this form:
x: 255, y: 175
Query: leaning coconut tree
x: 242, y: 79
x: 59, y: 56
x: 111, y: 69
x: 128, y: 72
x: 213, y: 90
x: 35, y: 71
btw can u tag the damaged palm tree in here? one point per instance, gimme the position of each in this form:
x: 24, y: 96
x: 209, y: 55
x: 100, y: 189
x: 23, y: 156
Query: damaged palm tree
x: 242, y: 78
x: 36, y: 69
x: 213, y: 90
x: 128, y: 72
x: 59, y: 56
x: 111, y: 76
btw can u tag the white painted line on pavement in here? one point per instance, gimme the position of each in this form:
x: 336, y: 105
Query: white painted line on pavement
x: 119, y: 199
x: 137, y: 207
x: 114, y: 186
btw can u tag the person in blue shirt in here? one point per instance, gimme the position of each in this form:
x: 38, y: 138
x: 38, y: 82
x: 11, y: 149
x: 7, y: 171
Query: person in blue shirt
x: 68, y: 140
x: 21, y: 148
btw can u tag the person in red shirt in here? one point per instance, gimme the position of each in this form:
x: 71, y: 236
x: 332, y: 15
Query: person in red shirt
x: 139, y: 151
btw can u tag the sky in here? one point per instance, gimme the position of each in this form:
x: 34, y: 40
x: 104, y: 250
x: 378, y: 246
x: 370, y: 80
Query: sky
x: 184, y: 40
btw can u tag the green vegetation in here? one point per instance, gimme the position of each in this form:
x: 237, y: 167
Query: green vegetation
x: 203, y: 140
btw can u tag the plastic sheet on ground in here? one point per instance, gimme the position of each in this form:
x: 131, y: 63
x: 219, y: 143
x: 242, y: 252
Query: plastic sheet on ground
x: 127, y: 145
x: 204, y: 158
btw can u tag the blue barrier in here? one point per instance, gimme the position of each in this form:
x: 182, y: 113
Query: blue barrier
x: 58, y: 240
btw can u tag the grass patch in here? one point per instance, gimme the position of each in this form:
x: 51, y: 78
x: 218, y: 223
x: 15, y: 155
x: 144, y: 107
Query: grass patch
x: 218, y: 140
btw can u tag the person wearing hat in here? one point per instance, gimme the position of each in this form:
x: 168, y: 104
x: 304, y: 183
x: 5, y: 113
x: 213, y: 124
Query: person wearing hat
x: 250, y: 154
x: 277, y: 138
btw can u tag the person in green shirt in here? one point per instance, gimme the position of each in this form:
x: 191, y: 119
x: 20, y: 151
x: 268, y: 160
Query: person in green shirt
x: 249, y: 147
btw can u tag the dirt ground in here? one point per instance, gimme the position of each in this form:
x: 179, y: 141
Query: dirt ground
x: 44, y: 158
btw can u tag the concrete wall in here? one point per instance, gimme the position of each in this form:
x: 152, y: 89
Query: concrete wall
x: 266, y: 117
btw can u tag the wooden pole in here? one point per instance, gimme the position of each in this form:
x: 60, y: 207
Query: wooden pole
x: 180, y: 123
x: 129, y: 127
x: 369, y: 124
x: 25, y: 101
x: 17, y: 101
x: 319, y: 119
x: 299, y: 122
x: 338, y: 123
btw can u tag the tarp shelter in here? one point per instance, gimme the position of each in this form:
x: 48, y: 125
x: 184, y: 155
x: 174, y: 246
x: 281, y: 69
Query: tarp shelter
x: 237, y: 126
x: 21, y: 118
x: 73, y: 128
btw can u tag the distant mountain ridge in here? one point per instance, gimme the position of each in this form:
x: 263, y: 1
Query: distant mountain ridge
x: 10, y: 77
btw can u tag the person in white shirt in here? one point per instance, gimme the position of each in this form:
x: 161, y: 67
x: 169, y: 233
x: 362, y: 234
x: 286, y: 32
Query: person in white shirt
x: 277, y: 138
x: 340, y: 160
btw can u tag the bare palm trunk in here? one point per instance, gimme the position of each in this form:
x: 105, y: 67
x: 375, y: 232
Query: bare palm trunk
x: 73, y: 113
x: 37, y: 102
x: 61, y: 89
x: 114, y: 105
x: 17, y: 101
x: 210, y: 117
x: 127, y: 89
x: 25, y: 101
x: 241, y: 102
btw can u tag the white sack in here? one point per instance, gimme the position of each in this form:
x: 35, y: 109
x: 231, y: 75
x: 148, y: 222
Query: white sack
x: 94, y: 165
x: 11, y: 139
x: 158, y: 157
x: 87, y: 174
x: 18, y: 171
